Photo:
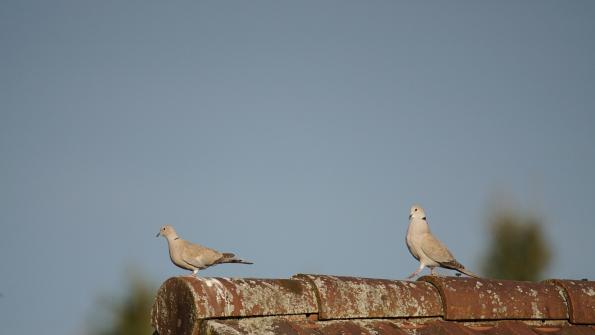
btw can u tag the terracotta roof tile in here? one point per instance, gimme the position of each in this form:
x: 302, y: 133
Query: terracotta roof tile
x: 262, y: 325
x: 181, y: 301
x: 515, y: 327
x: 447, y: 328
x: 581, y: 297
x: 280, y: 325
x: 350, y: 297
x: 277, y: 325
x: 573, y: 330
x: 484, y: 299
x: 321, y: 304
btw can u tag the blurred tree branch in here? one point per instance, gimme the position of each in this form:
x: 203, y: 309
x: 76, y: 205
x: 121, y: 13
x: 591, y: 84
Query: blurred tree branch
x: 518, y: 249
x: 129, y: 314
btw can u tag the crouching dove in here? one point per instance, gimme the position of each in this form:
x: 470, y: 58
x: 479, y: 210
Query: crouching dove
x: 192, y: 256
x: 426, y: 248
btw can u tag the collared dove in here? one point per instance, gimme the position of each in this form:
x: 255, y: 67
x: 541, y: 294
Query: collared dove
x: 192, y: 256
x: 426, y: 248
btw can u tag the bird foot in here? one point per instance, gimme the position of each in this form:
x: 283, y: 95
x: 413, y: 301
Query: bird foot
x: 413, y: 274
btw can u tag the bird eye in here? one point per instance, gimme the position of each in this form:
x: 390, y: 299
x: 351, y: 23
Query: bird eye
x: 163, y: 228
x: 416, y: 209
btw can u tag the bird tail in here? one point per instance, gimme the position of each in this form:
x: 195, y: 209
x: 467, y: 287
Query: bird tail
x: 231, y: 258
x: 468, y: 273
x: 454, y: 265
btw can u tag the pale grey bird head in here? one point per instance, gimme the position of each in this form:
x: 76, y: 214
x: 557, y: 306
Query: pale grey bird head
x: 166, y: 231
x: 417, y: 212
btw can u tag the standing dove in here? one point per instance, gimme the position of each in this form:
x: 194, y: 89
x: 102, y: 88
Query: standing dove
x: 192, y: 256
x: 426, y: 248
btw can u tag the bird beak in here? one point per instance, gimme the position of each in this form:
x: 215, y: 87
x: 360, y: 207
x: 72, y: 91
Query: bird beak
x: 410, y: 216
x: 159, y: 233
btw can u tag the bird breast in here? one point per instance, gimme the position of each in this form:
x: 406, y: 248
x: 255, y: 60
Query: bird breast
x: 415, y: 232
x: 175, y: 254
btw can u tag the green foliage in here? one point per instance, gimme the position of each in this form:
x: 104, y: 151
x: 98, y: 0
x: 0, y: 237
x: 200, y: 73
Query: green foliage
x: 129, y: 314
x: 518, y: 248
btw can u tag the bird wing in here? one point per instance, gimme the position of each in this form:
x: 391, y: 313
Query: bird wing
x: 435, y: 250
x: 199, y: 256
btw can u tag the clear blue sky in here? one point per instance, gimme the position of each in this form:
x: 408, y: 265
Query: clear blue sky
x: 294, y: 134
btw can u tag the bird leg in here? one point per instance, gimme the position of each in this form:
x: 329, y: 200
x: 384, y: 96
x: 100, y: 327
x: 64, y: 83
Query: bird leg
x: 434, y: 272
x: 194, y: 273
x: 421, y: 267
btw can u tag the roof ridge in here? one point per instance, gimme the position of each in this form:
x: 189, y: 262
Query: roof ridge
x: 185, y: 302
